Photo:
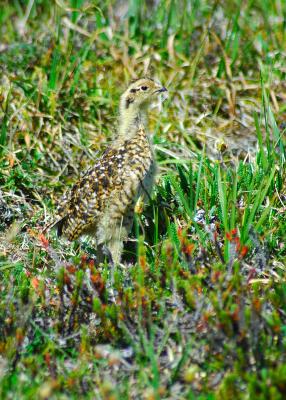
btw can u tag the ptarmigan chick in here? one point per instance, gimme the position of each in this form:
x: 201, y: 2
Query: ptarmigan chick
x: 102, y: 202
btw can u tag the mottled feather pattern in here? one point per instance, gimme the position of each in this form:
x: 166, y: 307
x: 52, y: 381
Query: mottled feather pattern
x: 117, y: 174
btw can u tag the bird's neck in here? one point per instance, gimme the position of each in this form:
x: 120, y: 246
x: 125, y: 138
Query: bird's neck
x: 130, y: 121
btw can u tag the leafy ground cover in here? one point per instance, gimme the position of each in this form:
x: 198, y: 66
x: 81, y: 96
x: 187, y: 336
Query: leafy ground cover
x: 199, y: 309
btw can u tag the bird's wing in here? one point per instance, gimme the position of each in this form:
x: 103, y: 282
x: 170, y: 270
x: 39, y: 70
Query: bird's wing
x: 88, y: 197
x: 114, y: 178
x: 82, y: 204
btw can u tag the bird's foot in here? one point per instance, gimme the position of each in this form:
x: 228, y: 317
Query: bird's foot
x: 110, y: 286
x: 111, y: 292
x: 104, y: 254
x: 107, y: 253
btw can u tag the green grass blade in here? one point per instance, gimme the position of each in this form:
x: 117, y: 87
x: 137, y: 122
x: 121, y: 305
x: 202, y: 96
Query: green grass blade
x: 258, y: 200
x: 222, y: 199
x: 260, y: 142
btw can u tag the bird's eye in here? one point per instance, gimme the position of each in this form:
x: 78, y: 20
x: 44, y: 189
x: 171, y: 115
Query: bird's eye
x: 144, y: 87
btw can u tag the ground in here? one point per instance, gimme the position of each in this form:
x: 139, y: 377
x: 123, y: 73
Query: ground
x: 197, y: 310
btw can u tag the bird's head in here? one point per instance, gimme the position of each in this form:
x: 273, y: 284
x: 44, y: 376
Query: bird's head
x: 141, y: 93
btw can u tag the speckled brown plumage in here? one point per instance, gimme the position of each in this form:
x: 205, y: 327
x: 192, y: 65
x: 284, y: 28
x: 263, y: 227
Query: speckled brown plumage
x: 102, y: 202
x: 113, y: 181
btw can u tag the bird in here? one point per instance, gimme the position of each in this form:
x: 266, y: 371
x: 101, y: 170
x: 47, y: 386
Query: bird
x: 101, y: 203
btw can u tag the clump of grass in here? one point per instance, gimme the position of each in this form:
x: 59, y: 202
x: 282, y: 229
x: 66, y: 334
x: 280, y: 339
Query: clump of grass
x: 198, y: 310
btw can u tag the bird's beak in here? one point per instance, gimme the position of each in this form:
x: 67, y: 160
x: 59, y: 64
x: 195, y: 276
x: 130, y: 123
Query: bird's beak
x: 161, y: 90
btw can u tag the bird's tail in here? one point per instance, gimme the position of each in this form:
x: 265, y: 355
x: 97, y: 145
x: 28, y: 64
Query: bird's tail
x: 58, y: 224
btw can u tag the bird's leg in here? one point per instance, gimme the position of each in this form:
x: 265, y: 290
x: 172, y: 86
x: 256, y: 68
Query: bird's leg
x: 102, y: 253
x: 108, y: 254
x: 115, y: 248
x: 111, y: 247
